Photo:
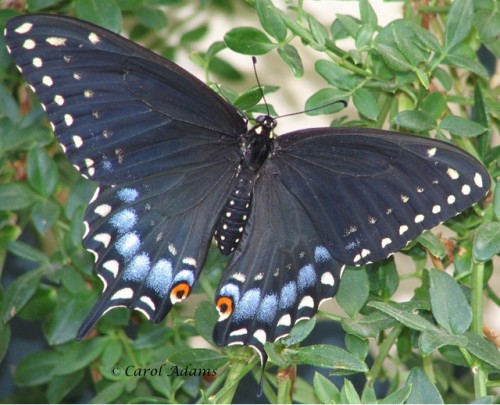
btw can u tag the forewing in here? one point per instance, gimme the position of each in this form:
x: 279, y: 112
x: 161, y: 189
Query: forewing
x: 120, y: 111
x: 162, y: 146
x: 369, y: 192
x: 280, y: 273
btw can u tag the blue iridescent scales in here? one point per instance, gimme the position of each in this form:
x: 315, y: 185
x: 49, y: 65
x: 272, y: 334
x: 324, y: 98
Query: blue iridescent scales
x: 175, y: 165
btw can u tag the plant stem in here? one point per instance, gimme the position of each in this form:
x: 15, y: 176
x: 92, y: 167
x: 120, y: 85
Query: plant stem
x: 478, y: 370
x: 382, y: 354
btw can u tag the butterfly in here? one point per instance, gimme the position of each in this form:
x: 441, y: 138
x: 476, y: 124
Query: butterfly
x: 176, y: 167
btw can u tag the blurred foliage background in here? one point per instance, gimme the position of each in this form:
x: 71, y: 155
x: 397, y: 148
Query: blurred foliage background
x: 430, y: 72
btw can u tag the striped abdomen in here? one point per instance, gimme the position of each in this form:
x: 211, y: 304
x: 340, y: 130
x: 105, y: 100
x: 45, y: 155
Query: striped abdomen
x: 235, y: 214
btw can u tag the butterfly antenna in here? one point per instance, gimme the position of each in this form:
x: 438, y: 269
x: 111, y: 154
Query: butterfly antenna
x: 313, y: 109
x: 254, y: 60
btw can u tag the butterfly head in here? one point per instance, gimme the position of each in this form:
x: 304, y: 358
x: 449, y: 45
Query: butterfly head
x: 266, y: 123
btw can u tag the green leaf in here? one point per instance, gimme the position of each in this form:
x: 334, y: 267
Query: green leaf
x: 248, y: 99
x: 224, y: 69
x: 25, y: 251
x: 368, y: 15
x: 353, y: 290
x: 444, y: 78
x: 270, y: 19
x: 355, y: 345
x: 459, y: 23
x: 16, y: 196
x: 19, y: 292
x: 198, y: 358
x: 215, y: 48
x: 323, y: 98
x: 394, y: 59
x: 41, y: 171
x: 40, y: 305
x: 423, y: 391
x: 205, y: 318
x: 319, y: 32
x: 150, y: 17
x: 331, y: 357
x: 348, y: 394
x: 69, y: 315
x: 398, y: 397
x: 105, y: 13
x: 44, y: 215
x: 36, y: 5
x: 248, y: 41
x: 325, y: 390
x: 496, y: 200
x: 61, y: 385
x: 461, y: 126
x: 432, y: 243
x: 388, y: 278
x: 466, y: 63
x: 152, y: 338
x: 195, y: 35
x: 487, y: 241
x: 449, y: 304
x: 299, y: 332
x: 431, y: 340
x: 365, y: 103
x: 483, y: 349
x: 36, y: 368
x: 336, y: 75
x: 292, y: 58
x: 350, y: 24
x: 8, y: 105
x: 434, y: 104
x: 5, y: 334
x: 414, y: 120
x: 407, y: 318
x: 79, y: 354
x: 111, y: 393
x: 407, y: 45
x: 112, y: 353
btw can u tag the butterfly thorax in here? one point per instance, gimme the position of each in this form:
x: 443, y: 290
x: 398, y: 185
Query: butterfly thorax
x: 255, y: 145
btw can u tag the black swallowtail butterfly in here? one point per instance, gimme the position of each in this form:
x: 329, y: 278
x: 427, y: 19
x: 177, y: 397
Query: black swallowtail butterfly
x: 177, y: 166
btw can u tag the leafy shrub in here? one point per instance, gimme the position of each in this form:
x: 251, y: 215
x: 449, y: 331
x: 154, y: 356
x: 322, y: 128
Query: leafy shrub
x: 421, y: 74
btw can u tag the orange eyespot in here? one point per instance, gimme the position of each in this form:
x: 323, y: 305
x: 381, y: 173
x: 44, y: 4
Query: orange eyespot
x: 224, y: 307
x: 180, y: 292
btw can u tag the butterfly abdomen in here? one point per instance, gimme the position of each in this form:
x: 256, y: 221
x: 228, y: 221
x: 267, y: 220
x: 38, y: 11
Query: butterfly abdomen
x: 235, y: 214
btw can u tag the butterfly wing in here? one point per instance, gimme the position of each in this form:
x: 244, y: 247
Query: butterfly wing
x: 369, y: 192
x: 279, y: 275
x: 142, y: 128
x: 328, y: 197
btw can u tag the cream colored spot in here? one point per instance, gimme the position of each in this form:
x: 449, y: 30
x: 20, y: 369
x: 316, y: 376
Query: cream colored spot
x: 68, y: 119
x: 385, y: 242
x: 47, y: 80
x: 24, y: 28
x: 37, y: 62
x: 58, y: 99
x: 419, y: 218
x: 478, y: 180
x: 94, y: 38
x: 77, y: 140
x: 29, y: 44
x: 466, y: 189
x: 56, y: 41
x: 452, y: 173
